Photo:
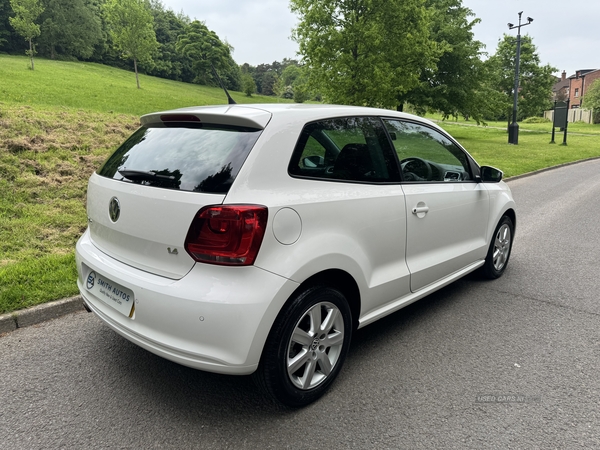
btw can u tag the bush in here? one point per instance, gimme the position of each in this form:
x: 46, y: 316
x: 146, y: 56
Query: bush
x: 300, y: 94
x: 536, y: 120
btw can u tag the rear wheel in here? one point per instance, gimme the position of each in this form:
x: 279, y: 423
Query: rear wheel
x: 500, y: 248
x: 306, y: 347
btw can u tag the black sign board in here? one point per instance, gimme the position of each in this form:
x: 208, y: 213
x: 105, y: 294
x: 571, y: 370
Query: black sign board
x: 561, y: 119
x: 560, y: 114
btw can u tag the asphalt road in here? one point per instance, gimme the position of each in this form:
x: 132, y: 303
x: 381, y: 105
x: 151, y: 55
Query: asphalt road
x: 513, y: 363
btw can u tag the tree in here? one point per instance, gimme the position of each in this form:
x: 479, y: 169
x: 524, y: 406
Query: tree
x: 293, y: 83
x: 168, y: 63
x: 270, y: 83
x: 248, y: 84
x: 536, y: 81
x: 592, y: 99
x: 5, y: 28
x: 364, y: 52
x: 70, y: 27
x: 26, y: 13
x: 204, y: 48
x: 290, y: 74
x: 453, y: 86
x: 132, y: 30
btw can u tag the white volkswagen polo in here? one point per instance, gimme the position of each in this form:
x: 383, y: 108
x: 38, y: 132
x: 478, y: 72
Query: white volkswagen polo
x: 254, y: 239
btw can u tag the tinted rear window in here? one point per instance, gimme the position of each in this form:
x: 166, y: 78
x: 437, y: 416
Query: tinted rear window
x: 199, y: 159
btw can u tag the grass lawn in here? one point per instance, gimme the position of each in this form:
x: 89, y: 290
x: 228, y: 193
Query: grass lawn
x: 489, y: 147
x: 60, y: 122
x: 101, y: 88
x: 577, y: 127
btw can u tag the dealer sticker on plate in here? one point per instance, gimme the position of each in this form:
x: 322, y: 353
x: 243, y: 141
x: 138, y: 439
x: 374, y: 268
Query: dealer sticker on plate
x: 111, y: 293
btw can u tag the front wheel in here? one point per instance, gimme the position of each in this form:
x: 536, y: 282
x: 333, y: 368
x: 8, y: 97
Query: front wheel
x: 306, y: 348
x: 499, y: 251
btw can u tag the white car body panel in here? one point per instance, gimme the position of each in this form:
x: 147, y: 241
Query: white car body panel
x: 152, y: 221
x: 197, y: 321
x: 440, y: 241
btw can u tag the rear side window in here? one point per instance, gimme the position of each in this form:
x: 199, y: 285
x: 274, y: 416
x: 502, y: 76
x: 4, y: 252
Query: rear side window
x: 352, y: 149
x: 189, y: 158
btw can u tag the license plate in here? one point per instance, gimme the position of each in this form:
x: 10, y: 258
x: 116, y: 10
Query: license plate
x: 111, y: 293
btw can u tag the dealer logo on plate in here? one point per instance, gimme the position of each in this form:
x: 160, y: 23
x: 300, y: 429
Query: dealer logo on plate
x: 91, y: 280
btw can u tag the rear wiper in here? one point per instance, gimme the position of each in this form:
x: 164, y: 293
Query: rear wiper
x: 139, y: 175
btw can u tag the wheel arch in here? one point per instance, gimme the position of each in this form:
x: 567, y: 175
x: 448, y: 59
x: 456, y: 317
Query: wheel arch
x: 334, y: 278
x: 343, y: 282
x: 513, y: 217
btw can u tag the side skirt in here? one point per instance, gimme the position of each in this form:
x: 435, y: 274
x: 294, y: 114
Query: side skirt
x: 401, y: 302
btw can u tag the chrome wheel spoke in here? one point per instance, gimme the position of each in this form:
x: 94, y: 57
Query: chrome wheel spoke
x: 298, y: 361
x: 325, y: 364
x: 330, y: 319
x: 498, y: 244
x: 309, y: 373
x: 315, y: 318
x: 333, y: 339
x: 302, y: 337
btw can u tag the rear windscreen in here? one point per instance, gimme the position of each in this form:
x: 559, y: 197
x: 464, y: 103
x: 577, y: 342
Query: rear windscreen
x: 201, y: 158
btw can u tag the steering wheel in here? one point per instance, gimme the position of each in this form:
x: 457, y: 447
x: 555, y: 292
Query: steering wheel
x: 416, y: 169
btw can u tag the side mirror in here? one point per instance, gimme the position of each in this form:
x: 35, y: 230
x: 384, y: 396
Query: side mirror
x: 490, y: 174
x: 312, y: 162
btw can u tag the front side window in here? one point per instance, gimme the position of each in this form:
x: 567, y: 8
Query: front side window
x: 426, y: 155
x: 199, y: 159
x: 346, y: 149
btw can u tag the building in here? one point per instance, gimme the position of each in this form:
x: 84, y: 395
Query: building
x: 579, y: 82
x: 560, y: 90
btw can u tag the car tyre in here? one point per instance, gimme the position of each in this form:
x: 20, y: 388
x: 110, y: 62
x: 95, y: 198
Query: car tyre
x: 499, y: 251
x: 306, y: 347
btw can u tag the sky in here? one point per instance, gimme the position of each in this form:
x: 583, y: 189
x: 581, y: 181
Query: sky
x: 564, y: 32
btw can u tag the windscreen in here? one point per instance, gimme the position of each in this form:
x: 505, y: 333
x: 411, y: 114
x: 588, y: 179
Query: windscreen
x: 199, y: 158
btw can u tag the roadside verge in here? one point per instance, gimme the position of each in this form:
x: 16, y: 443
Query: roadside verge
x: 41, y: 313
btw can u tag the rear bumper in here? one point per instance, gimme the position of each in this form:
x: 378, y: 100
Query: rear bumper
x: 215, y: 318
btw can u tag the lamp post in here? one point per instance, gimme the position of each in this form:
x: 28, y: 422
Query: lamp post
x: 513, y: 128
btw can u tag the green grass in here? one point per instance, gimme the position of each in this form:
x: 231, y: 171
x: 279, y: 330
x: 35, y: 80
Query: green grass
x: 101, y: 88
x: 61, y: 121
x: 577, y: 127
x: 489, y: 147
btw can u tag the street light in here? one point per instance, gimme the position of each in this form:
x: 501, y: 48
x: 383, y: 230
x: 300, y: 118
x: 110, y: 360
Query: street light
x: 513, y: 128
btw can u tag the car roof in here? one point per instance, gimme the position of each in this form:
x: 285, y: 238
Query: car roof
x: 258, y: 115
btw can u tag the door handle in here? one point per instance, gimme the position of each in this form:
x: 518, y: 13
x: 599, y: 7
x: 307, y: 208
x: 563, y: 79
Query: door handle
x: 420, y: 209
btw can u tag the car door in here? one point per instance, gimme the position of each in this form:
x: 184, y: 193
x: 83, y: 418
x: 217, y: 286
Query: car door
x: 446, y: 209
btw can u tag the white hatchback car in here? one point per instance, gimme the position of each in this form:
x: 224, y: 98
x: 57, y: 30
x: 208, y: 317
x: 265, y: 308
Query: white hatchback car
x: 256, y: 238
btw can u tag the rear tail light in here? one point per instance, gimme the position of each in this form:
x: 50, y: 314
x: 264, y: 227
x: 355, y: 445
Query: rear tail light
x: 227, y: 235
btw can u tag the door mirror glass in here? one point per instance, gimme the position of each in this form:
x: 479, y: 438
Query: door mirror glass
x: 491, y: 174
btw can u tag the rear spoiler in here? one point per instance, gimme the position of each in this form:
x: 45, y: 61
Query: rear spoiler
x: 234, y: 115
